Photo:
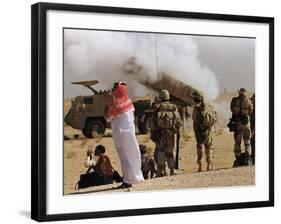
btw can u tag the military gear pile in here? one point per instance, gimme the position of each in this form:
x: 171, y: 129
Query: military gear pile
x: 168, y: 116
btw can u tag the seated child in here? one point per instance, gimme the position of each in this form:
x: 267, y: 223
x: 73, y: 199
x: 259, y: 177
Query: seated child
x: 147, y: 163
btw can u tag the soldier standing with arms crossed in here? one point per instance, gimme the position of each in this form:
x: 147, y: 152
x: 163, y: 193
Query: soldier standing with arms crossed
x: 165, y: 124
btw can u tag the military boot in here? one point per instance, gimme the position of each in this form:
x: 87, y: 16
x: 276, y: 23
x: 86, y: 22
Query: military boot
x: 199, y: 168
x: 209, y: 167
x: 236, y: 161
x: 253, y: 160
x: 172, y: 172
x: 159, y: 172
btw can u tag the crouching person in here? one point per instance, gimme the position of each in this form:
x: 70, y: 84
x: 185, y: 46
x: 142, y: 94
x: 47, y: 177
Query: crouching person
x: 147, y: 163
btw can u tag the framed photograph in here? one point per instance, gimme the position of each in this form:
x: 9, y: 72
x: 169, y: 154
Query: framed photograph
x: 140, y: 111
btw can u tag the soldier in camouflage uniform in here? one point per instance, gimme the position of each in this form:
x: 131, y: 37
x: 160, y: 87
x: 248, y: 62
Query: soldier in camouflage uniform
x: 204, y: 118
x: 155, y: 156
x: 165, y: 124
x: 241, y: 108
x: 147, y: 163
x: 252, y: 120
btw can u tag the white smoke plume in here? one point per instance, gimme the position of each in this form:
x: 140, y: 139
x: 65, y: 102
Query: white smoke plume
x: 104, y: 55
x: 178, y: 56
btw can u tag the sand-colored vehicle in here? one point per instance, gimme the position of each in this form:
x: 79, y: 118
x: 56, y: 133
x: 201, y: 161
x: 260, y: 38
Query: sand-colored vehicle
x: 87, y: 113
x: 143, y: 112
x: 180, y: 93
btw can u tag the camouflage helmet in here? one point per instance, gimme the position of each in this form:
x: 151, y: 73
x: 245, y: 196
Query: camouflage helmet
x: 164, y: 95
x: 242, y: 91
x: 142, y: 148
x: 198, y: 97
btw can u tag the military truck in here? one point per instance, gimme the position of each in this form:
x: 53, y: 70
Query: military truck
x: 87, y: 113
x: 143, y: 113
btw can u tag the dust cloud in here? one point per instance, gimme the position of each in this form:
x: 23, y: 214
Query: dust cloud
x: 129, y: 56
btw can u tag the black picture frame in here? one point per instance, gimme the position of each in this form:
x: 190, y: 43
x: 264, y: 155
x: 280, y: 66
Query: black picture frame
x: 38, y: 108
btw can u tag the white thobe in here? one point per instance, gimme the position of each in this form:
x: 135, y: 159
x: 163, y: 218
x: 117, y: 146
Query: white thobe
x: 125, y: 141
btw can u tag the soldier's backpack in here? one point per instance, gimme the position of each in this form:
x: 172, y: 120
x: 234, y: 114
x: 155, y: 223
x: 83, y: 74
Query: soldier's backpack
x: 168, y: 116
x: 209, y: 116
x: 240, y: 107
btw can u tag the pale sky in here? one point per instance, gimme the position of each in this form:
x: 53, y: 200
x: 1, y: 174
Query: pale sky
x: 232, y: 60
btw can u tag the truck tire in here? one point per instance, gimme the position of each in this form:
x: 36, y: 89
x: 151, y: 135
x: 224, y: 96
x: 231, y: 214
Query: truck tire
x: 94, y: 126
x: 144, y: 128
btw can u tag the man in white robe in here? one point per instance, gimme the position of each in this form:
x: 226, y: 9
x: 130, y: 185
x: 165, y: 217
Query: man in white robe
x: 121, y: 115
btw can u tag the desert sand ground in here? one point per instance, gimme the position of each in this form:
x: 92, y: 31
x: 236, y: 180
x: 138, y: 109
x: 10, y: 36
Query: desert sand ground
x: 242, y: 176
x: 223, y: 174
